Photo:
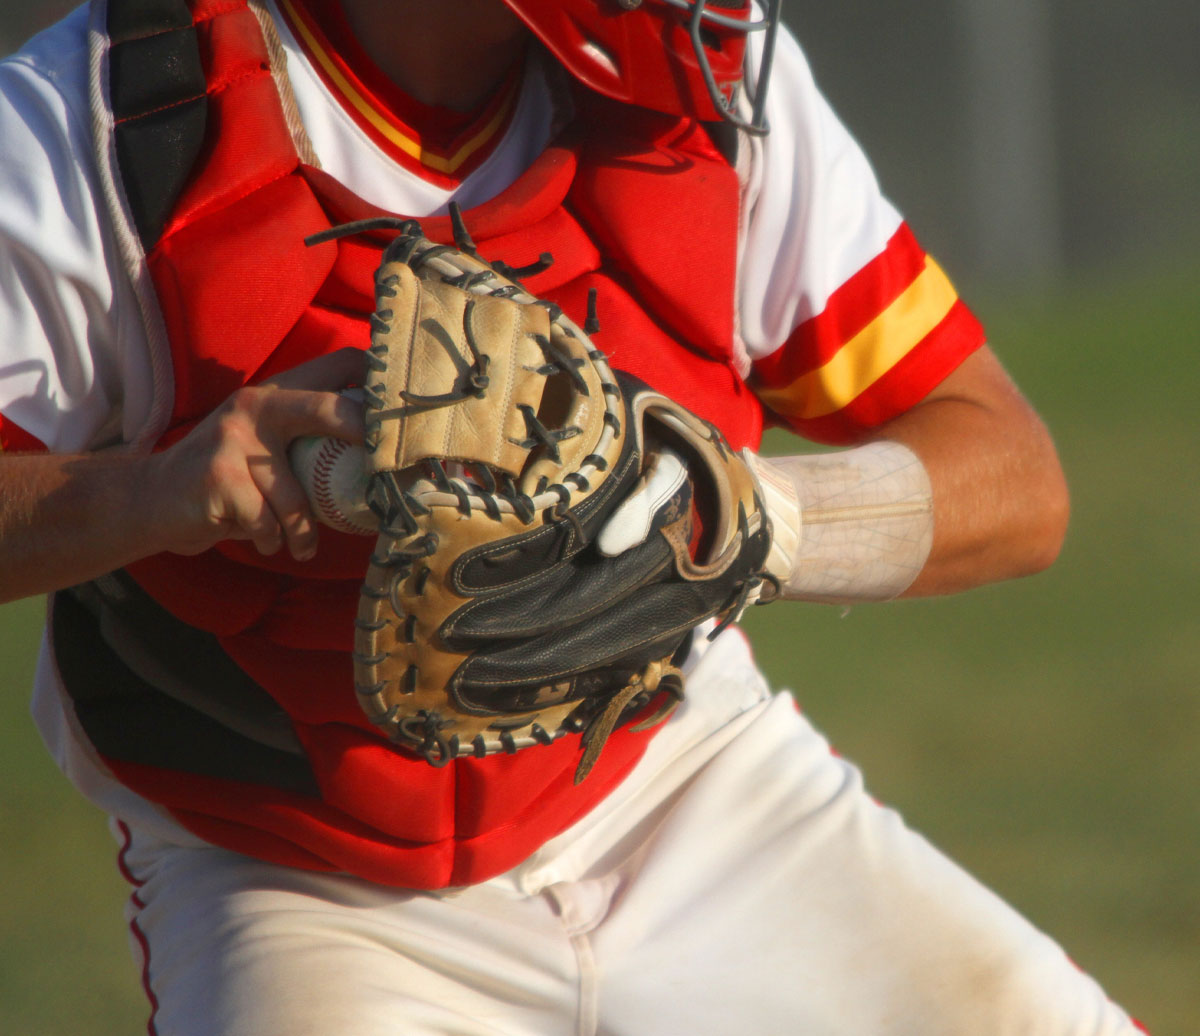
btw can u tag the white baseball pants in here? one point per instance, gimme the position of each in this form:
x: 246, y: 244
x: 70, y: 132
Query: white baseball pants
x: 739, y: 881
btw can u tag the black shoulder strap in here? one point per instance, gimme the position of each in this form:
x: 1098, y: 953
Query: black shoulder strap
x: 159, y: 102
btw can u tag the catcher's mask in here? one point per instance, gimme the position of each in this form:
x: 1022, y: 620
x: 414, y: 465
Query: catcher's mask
x: 682, y: 57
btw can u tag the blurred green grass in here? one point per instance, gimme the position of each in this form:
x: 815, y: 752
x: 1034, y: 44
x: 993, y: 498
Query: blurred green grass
x: 65, y: 965
x: 1044, y: 732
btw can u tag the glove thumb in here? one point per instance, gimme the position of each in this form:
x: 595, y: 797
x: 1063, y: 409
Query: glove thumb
x: 633, y: 520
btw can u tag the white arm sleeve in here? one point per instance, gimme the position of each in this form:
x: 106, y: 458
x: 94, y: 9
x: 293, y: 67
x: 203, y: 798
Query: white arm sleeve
x: 854, y: 525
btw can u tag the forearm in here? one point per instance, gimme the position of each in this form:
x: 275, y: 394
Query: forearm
x: 1000, y: 503
x: 962, y: 490
x: 66, y: 519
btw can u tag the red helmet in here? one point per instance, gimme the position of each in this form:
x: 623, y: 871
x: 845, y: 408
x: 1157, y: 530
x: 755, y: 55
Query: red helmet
x: 683, y: 57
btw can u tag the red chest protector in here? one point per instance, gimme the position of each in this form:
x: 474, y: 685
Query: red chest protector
x: 641, y: 208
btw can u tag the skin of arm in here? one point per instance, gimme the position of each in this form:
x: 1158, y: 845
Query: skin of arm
x: 1000, y: 500
x: 65, y: 519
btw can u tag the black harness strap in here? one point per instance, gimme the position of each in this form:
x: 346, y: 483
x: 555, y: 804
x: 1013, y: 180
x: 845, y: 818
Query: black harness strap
x: 151, y: 690
x: 160, y: 105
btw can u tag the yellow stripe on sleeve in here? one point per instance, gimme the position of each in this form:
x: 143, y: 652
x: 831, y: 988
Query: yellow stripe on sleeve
x: 871, y: 353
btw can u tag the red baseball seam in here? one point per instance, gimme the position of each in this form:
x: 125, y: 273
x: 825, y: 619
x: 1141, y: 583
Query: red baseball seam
x: 330, y: 451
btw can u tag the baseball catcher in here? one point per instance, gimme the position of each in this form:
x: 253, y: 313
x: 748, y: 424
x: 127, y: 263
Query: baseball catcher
x: 396, y: 773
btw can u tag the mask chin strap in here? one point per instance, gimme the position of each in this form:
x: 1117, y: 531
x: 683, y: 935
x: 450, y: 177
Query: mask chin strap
x: 699, y: 13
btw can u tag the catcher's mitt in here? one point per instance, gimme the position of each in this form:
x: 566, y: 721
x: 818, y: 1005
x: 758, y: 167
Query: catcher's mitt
x: 499, y: 442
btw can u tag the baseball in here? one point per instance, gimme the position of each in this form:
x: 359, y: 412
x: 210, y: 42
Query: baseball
x: 333, y: 473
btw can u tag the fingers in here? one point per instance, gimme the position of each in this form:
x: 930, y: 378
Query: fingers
x: 632, y: 521
x: 285, y: 415
x: 249, y: 515
x: 230, y: 477
x: 286, y: 517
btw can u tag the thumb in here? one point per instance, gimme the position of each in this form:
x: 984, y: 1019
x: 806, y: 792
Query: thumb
x: 289, y: 414
x: 632, y: 521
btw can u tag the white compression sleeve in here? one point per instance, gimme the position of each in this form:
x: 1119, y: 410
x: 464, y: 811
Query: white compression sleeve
x: 851, y: 526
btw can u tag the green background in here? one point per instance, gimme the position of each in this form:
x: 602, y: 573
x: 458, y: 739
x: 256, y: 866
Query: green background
x: 1043, y: 732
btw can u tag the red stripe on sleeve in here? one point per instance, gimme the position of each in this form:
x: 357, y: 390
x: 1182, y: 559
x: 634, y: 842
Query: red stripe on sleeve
x: 849, y: 309
x: 925, y: 366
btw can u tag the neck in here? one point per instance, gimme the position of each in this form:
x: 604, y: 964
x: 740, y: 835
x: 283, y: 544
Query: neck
x: 449, y: 54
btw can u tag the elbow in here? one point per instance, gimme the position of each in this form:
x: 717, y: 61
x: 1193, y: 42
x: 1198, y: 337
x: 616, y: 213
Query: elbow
x: 1051, y: 508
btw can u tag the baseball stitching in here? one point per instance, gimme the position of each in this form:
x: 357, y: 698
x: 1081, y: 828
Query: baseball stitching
x: 323, y: 496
